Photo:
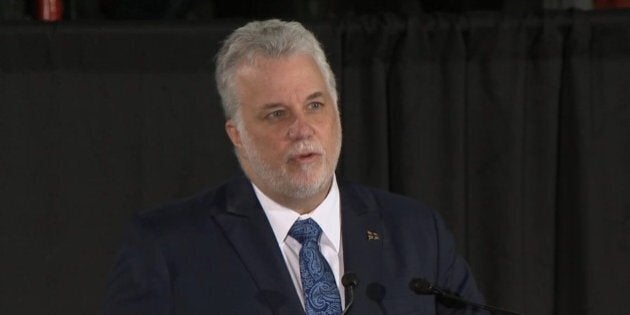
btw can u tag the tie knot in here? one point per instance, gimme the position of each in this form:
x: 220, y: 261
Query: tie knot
x: 305, y: 230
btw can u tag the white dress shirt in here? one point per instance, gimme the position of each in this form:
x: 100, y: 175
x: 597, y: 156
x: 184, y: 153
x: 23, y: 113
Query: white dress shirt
x: 327, y: 215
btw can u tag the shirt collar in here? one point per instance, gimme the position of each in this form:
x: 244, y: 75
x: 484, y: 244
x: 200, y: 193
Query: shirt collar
x: 327, y: 215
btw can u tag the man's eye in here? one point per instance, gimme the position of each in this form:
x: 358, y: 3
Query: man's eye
x: 315, y: 105
x: 276, y: 114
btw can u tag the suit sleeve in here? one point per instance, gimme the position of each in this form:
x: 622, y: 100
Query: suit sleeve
x: 454, y: 274
x: 139, y: 282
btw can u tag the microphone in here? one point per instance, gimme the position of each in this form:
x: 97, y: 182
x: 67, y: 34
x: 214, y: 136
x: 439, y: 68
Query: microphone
x: 349, y: 281
x: 423, y: 287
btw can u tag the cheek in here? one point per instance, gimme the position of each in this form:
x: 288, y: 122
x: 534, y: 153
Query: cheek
x: 332, y: 132
x: 270, y: 148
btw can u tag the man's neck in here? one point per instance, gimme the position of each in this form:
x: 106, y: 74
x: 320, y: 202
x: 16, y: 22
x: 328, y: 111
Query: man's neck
x: 299, y: 205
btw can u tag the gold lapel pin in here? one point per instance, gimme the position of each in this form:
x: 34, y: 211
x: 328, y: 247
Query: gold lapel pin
x: 373, y: 236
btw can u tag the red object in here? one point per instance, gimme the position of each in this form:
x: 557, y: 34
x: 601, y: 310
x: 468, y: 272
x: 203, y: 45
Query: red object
x: 50, y: 10
x: 609, y: 4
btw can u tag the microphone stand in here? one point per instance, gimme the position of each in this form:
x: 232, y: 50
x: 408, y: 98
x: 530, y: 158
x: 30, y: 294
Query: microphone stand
x: 423, y: 287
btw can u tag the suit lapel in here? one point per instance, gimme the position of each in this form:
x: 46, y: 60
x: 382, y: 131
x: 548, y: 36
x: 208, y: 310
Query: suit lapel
x: 362, y: 231
x: 249, y: 231
x: 247, y: 228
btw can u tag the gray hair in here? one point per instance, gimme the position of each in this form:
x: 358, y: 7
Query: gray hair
x: 270, y: 38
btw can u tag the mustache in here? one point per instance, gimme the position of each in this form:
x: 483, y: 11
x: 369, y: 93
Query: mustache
x: 305, y: 147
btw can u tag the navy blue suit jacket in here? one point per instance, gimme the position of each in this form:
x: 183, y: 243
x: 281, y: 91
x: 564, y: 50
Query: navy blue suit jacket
x: 216, y: 254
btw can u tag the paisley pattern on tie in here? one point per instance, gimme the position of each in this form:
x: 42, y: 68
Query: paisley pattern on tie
x: 321, y: 295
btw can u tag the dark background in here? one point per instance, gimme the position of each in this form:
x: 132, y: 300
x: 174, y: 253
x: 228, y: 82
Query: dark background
x: 306, y: 9
x: 515, y: 125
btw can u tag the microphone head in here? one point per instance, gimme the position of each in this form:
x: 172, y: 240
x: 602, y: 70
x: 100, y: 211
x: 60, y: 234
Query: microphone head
x: 350, y: 279
x: 421, y: 286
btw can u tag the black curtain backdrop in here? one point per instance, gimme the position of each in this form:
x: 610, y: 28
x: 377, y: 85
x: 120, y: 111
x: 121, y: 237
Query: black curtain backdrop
x: 516, y: 128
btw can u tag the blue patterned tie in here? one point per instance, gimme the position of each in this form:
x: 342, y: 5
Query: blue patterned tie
x: 318, y: 282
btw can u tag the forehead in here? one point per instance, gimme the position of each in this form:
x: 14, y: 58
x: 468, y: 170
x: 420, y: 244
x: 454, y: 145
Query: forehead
x: 278, y: 76
x: 283, y: 65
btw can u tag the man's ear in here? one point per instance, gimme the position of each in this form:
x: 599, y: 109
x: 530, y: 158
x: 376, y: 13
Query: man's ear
x: 233, y: 133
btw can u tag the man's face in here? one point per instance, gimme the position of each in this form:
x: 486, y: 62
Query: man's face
x: 288, y: 138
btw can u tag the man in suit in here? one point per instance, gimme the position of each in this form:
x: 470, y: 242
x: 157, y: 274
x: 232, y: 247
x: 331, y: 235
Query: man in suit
x: 278, y: 238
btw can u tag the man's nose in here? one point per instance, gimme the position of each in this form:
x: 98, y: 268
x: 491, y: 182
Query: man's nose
x: 301, y: 128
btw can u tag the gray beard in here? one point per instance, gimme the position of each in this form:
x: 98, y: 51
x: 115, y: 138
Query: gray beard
x: 279, y: 180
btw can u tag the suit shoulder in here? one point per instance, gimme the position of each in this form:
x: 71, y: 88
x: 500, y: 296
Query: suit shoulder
x: 389, y: 202
x: 183, y: 212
